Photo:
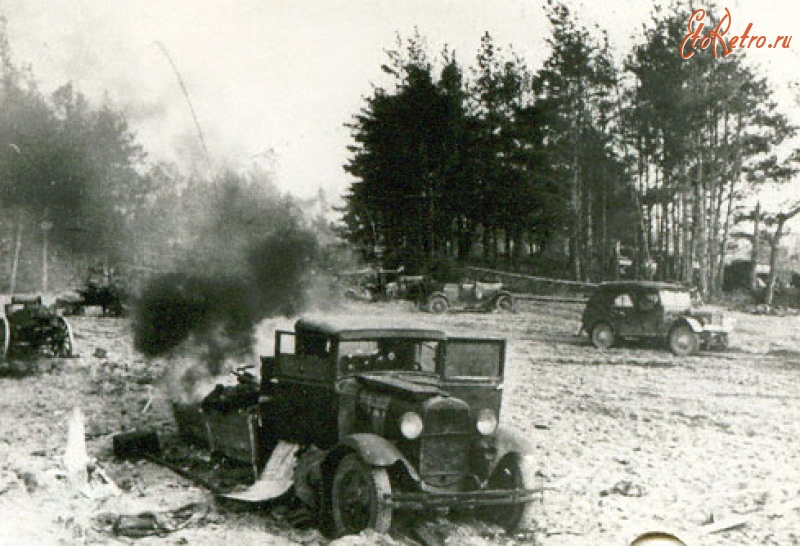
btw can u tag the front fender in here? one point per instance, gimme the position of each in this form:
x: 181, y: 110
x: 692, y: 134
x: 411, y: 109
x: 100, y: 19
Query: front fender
x: 510, y: 441
x: 694, y: 324
x: 373, y: 449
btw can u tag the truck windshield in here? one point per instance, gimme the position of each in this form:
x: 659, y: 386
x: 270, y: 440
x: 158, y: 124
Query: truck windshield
x: 388, y: 354
x: 473, y: 358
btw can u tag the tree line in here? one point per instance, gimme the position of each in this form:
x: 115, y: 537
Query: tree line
x: 570, y: 169
x: 77, y: 191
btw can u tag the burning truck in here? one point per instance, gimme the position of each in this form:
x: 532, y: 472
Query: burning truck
x: 360, y: 420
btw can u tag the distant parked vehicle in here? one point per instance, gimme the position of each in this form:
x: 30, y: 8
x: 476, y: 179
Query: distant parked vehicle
x: 381, y: 284
x: 440, y: 298
x: 652, y: 310
x: 28, y: 326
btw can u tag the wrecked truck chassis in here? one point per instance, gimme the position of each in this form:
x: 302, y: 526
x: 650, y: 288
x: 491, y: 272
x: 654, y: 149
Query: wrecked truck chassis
x: 363, y: 419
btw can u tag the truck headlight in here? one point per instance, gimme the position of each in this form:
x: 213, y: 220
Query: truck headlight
x: 486, y: 422
x: 411, y: 425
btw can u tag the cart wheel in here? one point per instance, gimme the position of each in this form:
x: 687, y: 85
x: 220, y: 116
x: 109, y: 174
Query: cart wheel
x: 358, y: 495
x: 6, y: 341
x: 63, y: 341
x: 514, y: 472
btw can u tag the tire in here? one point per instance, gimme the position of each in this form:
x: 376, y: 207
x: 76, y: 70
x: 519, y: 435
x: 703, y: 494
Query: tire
x: 505, y: 303
x: 357, y: 497
x: 514, y: 472
x: 438, y: 305
x: 683, y: 341
x: 603, y: 335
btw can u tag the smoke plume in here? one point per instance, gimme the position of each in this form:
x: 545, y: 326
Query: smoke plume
x: 248, y: 259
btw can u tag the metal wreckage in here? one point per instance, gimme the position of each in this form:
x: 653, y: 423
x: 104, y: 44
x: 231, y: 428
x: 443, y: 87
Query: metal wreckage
x: 358, y: 420
x: 28, y: 326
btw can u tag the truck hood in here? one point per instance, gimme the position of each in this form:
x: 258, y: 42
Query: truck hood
x: 417, y: 386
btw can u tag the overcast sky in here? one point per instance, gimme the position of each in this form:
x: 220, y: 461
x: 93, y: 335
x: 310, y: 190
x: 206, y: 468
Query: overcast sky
x: 277, y: 79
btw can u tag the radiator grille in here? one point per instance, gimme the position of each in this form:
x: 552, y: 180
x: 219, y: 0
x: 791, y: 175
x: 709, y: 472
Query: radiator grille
x: 445, y: 441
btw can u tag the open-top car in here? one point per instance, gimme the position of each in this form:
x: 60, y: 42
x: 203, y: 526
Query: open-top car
x: 652, y: 310
x: 363, y: 420
x: 440, y: 298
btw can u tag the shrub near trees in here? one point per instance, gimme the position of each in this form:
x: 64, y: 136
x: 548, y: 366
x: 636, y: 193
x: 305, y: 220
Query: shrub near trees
x: 498, y: 162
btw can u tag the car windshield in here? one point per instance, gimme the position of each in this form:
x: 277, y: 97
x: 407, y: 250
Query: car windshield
x: 387, y: 354
x: 674, y: 299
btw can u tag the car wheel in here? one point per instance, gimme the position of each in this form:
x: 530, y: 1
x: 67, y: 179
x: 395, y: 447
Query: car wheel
x: 514, y: 472
x: 603, y: 335
x: 682, y: 341
x: 438, y: 305
x: 358, y: 493
x: 505, y: 303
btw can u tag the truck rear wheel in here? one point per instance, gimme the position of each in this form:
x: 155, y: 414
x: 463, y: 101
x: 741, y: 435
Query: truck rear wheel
x: 357, y: 498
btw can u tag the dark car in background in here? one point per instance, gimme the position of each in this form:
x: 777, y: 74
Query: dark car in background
x: 652, y: 310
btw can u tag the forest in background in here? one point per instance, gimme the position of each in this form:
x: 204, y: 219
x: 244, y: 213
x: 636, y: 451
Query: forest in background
x: 565, y: 171
x: 77, y: 191
x: 569, y: 169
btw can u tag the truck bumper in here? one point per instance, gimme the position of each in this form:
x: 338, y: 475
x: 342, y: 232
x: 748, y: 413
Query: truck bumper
x: 464, y: 499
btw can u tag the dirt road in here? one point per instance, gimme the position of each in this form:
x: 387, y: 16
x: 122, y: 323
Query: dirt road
x: 629, y: 440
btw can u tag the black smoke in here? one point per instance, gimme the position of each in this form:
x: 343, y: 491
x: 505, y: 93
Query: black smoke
x: 249, y: 260
x: 219, y: 310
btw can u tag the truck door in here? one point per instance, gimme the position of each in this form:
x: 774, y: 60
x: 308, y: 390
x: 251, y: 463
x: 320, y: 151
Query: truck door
x: 303, y: 406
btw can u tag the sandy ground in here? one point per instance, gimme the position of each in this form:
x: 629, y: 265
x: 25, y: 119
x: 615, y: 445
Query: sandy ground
x: 628, y: 440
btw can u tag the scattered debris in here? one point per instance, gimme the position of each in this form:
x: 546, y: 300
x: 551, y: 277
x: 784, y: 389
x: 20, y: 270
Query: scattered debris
x: 624, y: 488
x: 146, y: 524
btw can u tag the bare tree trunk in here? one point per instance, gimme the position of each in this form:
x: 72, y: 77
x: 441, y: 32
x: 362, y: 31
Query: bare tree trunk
x: 756, y: 248
x: 688, y: 258
x: 578, y: 224
x: 773, y: 260
x: 725, y: 234
x: 17, y: 248
x: 702, y: 228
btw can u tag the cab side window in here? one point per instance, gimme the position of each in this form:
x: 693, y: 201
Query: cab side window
x: 648, y: 301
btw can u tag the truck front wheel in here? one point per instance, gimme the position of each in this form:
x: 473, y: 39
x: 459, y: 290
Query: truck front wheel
x: 515, y: 471
x: 358, y: 494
